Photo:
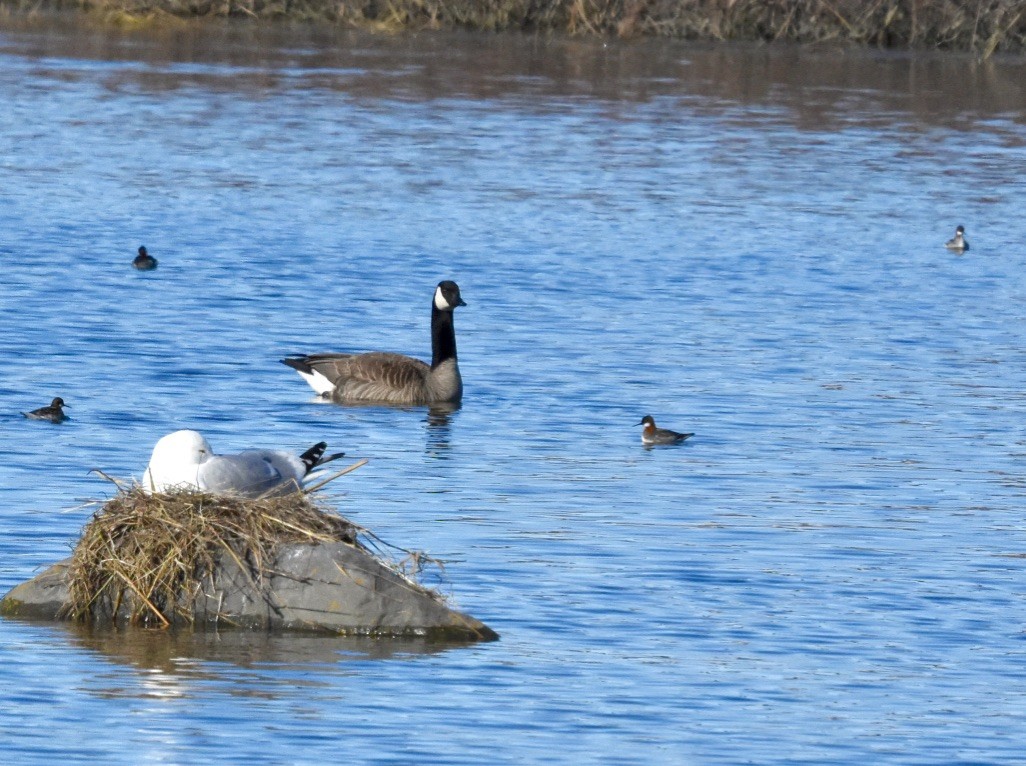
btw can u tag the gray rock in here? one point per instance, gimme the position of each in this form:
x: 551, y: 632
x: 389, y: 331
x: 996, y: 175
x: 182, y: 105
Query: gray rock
x: 327, y: 587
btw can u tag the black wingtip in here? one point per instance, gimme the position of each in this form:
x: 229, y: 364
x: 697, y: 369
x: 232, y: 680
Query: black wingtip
x: 328, y: 459
x: 297, y: 363
x: 314, y: 456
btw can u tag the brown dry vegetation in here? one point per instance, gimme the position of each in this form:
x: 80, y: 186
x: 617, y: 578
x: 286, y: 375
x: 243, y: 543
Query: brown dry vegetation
x: 981, y: 26
x: 148, y: 556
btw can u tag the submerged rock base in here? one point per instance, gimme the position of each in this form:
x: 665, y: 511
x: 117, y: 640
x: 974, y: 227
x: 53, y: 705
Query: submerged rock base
x: 332, y: 587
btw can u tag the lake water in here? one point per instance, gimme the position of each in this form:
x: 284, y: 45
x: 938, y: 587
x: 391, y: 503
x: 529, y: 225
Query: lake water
x: 744, y: 242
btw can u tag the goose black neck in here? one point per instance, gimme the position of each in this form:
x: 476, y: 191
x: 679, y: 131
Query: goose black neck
x: 443, y: 336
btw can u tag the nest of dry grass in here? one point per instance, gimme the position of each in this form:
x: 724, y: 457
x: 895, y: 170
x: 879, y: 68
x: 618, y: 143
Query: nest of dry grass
x: 148, y: 557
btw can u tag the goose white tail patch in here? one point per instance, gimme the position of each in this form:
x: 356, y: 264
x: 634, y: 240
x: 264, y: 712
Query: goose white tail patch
x: 317, y: 382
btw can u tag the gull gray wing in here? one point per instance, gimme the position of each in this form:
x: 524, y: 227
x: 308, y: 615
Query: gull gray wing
x: 252, y: 472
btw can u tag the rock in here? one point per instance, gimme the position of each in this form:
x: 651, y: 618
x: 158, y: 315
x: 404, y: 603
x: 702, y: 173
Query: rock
x: 42, y: 597
x: 332, y: 587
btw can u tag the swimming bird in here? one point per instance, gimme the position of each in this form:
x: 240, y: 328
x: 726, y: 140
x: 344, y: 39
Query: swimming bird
x: 144, y: 261
x: 184, y: 460
x: 54, y: 412
x: 957, y: 242
x: 385, y: 378
x: 651, y: 435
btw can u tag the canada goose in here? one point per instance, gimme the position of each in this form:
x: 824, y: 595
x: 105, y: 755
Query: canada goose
x: 958, y: 242
x: 54, y: 412
x: 651, y: 435
x: 184, y: 460
x: 388, y: 378
x: 144, y: 261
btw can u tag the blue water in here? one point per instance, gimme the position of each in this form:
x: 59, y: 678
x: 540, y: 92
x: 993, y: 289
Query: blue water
x: 746, y: 243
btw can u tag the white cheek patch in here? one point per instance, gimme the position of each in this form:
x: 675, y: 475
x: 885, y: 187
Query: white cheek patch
x: 440, y: 302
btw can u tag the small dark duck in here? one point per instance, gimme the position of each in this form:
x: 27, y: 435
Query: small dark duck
x: 957, y: 242
x: 144, y: 261
x: 54, y: 412
x: 650, y: 435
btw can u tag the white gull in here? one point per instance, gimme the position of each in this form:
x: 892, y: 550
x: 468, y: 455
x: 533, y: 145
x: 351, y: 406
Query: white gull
x: 184, y: 460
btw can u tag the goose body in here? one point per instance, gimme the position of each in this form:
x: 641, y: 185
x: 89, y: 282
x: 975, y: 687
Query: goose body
x: 144, y: 261
x: 958, y: 242
x: 54, y: 412
x: 650, y: 435
x: 184, y: 460
x: 387, y: 378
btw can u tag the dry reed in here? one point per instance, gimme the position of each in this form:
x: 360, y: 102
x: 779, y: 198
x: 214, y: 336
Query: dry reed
x: 981, y: 26
x: 147, y: 557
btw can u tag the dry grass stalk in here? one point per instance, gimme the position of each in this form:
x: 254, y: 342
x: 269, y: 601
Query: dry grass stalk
x: 151, y: 555
x: 983, y: 26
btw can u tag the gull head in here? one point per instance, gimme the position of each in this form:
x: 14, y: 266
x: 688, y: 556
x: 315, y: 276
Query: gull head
x: 175, y: 462
x: 182, y: 448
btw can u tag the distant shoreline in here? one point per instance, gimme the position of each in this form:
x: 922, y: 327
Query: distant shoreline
x: 983, y: 28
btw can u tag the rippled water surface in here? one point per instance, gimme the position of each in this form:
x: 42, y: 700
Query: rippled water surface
x: 746, y: 243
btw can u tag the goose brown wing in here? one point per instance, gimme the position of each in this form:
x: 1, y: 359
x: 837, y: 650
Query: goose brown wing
x: 334, y: 367
x: 384, y: 377
x: 393, y: 370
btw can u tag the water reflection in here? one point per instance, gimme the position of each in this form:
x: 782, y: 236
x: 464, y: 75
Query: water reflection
x: 172, y: 651
x: 439, y: 419
x: 819, y: 87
